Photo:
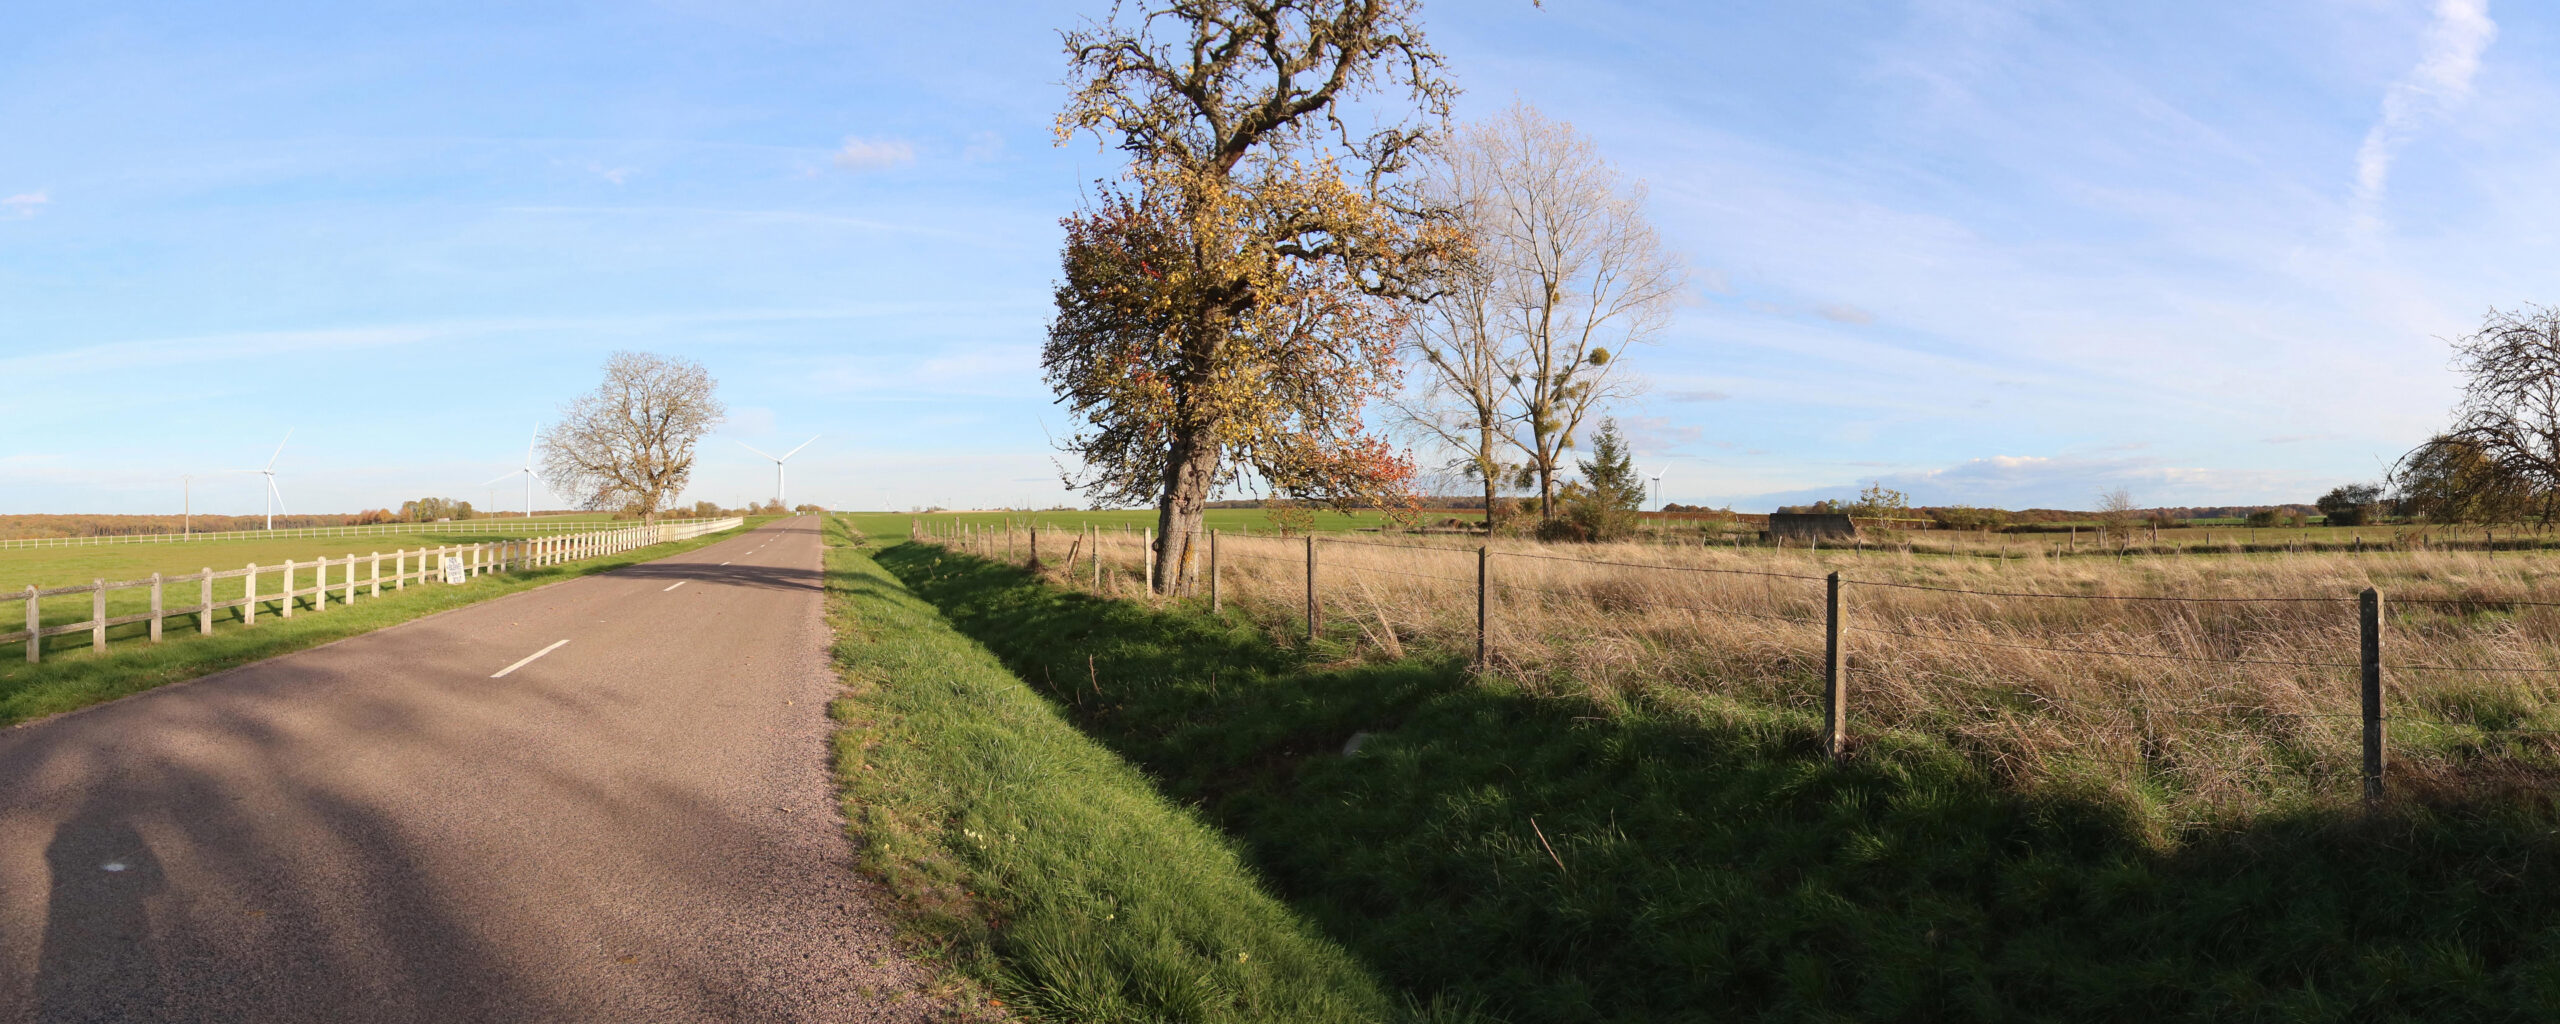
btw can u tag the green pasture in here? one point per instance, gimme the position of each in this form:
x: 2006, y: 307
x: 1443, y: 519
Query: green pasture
x: 891, y: 527
x: 73, y: 676
x: 46, y: 568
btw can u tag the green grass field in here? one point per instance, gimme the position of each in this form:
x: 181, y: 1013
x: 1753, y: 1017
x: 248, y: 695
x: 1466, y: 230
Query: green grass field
x: 1036, y: 862
x: 891, y: 527
x: 73, y: 676
x: 115, y: 563
x: 1693, y: 857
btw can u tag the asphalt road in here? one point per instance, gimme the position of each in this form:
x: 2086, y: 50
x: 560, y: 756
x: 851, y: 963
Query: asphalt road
x: 636, y: 825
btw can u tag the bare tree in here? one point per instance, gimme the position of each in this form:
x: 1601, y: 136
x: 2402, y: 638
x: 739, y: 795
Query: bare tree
x: 2116, y: 508
x: 1574, y: 274
x: 628, y: 445
x: 1462, y: 346
x: 2510, y: 411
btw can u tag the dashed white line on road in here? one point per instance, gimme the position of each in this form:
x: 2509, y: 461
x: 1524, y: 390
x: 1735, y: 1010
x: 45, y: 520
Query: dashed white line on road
x: 528, y: 659
x: 724, y: 563
x: 675, y: 584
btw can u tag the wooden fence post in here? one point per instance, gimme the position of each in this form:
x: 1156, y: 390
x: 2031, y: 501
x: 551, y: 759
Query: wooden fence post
x: 1314, y: 615
x: 204, y: 602
x: 35, y: 627
x: 1034, y: 564
x: 320, y: 584
x: 377, y: 575
x: 351, y: 579
x: 1213, y: 572
x: 288, y: 588
x: 249, y: 591
x: 155, y: 607
x: 1484, y: 587
x: 2369, y: 617
x: 1149, y: 539
x: 98, y: 615
x: 1835, y: 683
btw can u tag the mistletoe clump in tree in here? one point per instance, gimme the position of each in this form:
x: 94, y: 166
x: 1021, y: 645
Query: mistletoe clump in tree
x: 1230, y: 308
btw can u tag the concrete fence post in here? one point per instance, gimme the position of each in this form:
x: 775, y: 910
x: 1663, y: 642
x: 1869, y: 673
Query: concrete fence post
x: 156, y: 611
x: 98, y: 615
x: 1835, y: 681
x: 2369, y: 621
x: 204, y: 602
x: 35, y: 627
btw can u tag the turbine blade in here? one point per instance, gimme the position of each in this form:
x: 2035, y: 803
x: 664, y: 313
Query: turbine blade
x: 271, y: 460
x: 756, y: 450
x: 273, y: 492
x: 508, y: 475
x: 813, y: 439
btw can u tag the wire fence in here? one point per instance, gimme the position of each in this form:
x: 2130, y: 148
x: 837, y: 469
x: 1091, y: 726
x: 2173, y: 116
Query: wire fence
x: 2358, y: 630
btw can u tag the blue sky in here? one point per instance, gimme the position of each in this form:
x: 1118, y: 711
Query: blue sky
x: 2000, y: 253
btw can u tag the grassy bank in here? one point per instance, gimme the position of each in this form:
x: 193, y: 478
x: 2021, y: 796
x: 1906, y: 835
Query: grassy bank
x: 70, y: 679
x: 1684, y: 855
x: 1043, y: 866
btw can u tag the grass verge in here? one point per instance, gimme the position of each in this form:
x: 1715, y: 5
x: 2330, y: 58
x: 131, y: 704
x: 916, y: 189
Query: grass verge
x: 1687, y: 856
x: 68, y: 680
x: 1038, y: 863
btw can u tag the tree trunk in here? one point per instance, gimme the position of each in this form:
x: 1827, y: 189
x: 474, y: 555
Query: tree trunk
x: 1190, y: 466
x: 1486, y: 469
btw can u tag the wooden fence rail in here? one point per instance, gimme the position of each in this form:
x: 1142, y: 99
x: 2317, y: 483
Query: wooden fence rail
x: 451, y: 563
x: 537, y: 524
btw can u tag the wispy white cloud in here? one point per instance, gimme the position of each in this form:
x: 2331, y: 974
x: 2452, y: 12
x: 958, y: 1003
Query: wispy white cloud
x: 2459, y: 32
x: 861, y: 154
x: 24, y: 204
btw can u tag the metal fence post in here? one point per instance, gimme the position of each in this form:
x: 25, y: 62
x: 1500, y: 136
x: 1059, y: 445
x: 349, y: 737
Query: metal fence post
x: 2369, y: 617
x: 1314, y: 616
x: 1484, y: 586
x: 1835, y: 683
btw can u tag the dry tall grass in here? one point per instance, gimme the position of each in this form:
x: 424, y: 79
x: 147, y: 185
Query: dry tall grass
x: 2191, y: 678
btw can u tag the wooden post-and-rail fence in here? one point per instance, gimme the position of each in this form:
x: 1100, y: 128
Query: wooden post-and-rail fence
x: 353, y: 573
x: 1835, y: 676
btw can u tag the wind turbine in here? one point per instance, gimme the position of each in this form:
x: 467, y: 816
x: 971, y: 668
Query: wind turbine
x: 527, y: 470
x: 1657, y: 485
x: 778, y: 460
x: 275, y: 498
